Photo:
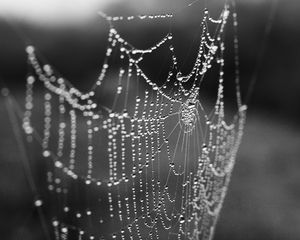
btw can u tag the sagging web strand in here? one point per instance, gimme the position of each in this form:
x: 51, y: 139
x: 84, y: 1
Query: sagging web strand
x: 165, y: 164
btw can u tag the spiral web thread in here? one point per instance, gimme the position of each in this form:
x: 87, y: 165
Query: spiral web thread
x: 149, y: 163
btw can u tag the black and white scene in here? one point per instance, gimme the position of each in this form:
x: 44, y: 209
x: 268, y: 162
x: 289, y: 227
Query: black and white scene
x: 149, y: 120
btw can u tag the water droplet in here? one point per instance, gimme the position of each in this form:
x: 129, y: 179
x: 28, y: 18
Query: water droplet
x: 38, y: 203
x: 46, y: 153
x: 30, y: 49
x: 55, y: 223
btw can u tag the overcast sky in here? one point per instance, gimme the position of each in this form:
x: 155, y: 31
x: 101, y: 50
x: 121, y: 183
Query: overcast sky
x: 75, y: 11
x: 52, y: 11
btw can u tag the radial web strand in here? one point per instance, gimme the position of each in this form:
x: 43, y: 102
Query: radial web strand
x: 146, y: 161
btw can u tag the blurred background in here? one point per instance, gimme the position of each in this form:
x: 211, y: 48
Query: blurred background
x: 263, y: 201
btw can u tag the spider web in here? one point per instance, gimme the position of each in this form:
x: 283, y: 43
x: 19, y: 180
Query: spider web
x: 132, y: 158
